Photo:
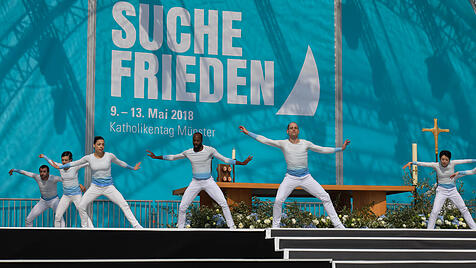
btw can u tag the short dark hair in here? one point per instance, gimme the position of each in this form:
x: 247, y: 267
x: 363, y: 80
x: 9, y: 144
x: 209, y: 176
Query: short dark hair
x: 445, y: 153
x: 199, y: 134
x: 97, y: 138
x: 44, y: 166
x: 67, y: 153
x: 291, y: 123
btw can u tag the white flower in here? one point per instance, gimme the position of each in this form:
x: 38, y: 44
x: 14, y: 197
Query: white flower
x: 439, y: 222
x: 323, y: 220
x: 353, y: 224
x: 328, y: 217
x: 447, y: 222
x: 315, y: 221
x: 293, y: 220
x: 267, y: 221
x: 423, y: 218
x: 463, y: 224
x: 452, y: 217
x: 248, y: 217
x: 258, y: 221
x: 240, y: 225
x: 188, y: 226
x: 217, y: 210
x: 423, y: 224
x: 252, y: 227
x: 310, y: 214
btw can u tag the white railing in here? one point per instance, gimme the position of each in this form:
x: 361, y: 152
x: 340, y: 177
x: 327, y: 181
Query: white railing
x: 105, y: 214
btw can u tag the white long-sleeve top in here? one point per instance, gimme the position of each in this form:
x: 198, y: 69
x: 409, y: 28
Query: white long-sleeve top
x: 444, y: 173
x: 100, y: 167
x: 70, y: 178
x: 295, y: 154
x: 48, y: 188
x: 201, y: 161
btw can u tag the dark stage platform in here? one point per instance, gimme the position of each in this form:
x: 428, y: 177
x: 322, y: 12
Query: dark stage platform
x: 50, y: 247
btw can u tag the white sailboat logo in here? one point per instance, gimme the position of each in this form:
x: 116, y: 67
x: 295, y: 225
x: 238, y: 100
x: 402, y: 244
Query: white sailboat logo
x: 304, y: 97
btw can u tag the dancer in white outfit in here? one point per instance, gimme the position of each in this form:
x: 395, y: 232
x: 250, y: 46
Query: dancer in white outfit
x: 446, y: 187
x: 72, y: 190
x: 49, y: 193
x: 200, y: 157
x: 102, y: 183
x: 297, y: 174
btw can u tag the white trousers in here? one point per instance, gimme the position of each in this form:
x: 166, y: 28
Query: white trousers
x: 114, y: 195
x: 310, y: 185
x: 40, y: 207
x: 212, y: 189
x: 441, y: 195
x: 64, y: 203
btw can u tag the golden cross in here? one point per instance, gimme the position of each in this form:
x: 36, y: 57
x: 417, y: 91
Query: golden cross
x: 436, y: 131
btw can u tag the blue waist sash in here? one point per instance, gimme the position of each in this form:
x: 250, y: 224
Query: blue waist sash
x: 49, y: 198
x: 73, y: 190
x: 103, y: 181
x: 298, y: 172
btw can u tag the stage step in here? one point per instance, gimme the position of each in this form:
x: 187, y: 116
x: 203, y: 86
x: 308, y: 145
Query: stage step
x: 374, y: 247
x: 75, y: 247
x: 126, y: 263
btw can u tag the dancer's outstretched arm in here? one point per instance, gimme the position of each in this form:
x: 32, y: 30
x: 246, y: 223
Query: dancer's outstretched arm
x: 123, y: 164
x: 26, y: 173
x: 422, y: 164
x: 79, y: 162
x: 327, y: 150
x: 52, y: 163
x: 460, y: 174
x: 244, y: 163
x: 166, y: 157
x: 260, y: 138
x: 230, y: 161
x: 463, y: 161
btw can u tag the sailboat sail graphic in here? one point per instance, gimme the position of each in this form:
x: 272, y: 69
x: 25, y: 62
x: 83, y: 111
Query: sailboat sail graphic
x: 304, y: 97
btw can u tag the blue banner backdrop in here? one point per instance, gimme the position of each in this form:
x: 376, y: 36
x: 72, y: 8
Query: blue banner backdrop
x: 42, y: 87
x: 165, y: 69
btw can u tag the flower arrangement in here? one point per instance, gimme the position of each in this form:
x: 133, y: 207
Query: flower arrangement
x: 260, y: 215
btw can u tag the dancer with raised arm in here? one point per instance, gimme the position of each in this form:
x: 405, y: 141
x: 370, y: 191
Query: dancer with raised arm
x: 446, y: 187
x: 49, y: 193
x: 72, y: 190
x: 297, y: 174
x: 102, y: 183
x: 200, y: 157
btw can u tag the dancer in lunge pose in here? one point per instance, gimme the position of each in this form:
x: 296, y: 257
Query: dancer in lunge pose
x: 49, y: 193
x: 200, y: 157
x: 446, y: 187
x: 102, y: 183
x: 297, y: 174
x: 72, y: 190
